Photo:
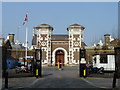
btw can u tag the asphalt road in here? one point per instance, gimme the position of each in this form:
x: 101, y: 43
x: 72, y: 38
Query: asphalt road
x: 52, y: 78
x: 66, y: 78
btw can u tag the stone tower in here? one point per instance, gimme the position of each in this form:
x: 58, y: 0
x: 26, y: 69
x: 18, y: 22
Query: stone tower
x: 44, y: 32
x: 75, y: 41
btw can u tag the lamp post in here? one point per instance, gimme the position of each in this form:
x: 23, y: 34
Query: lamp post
x: 5, y: 72
x: 117, y: 66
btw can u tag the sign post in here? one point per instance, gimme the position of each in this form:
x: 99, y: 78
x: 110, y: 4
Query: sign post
x: 38, y: 57
x: 82, y: 63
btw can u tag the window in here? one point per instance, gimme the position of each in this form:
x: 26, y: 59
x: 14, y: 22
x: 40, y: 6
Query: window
x: 82, y: 53
x: 103, y: 59
x: 95, y: 59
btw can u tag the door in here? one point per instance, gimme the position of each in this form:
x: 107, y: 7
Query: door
x: 59, y: 56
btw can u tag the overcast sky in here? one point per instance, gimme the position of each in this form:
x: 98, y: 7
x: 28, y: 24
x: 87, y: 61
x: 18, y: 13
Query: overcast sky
x: 98, y: 18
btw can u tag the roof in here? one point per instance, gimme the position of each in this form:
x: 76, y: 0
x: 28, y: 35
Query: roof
x: 7, y: 44
x: 44, y: 25
x: 76, y: 26
x: 84, y: 44
x: 11, y: 34
x: 59, y: 37
x: 17, y: 46
x: 107, y: 35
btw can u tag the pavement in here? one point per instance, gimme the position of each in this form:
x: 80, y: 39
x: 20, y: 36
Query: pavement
x: 105, y: 83
x: 66, y: 78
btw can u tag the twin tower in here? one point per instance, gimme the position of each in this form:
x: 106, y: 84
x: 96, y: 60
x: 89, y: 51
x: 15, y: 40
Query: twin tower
x: 58, y: 47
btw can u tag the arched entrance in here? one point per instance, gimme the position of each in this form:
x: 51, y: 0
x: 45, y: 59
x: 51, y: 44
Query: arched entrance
x: 59, y: 56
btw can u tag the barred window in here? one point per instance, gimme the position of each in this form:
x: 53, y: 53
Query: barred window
x: 103, y: 59
x: 95, y: 59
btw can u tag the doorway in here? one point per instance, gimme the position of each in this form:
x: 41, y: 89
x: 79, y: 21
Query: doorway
x: 59, y: 56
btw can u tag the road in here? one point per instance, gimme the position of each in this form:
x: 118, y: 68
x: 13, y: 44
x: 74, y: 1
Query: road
x: 52, y: 78
x: 66, y: 78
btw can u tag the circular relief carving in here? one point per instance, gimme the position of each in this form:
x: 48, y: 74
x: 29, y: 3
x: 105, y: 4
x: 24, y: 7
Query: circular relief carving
x: 43, y: 43
x: 76, y: 43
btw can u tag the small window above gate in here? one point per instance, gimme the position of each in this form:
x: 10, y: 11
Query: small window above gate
x: 59, y: 52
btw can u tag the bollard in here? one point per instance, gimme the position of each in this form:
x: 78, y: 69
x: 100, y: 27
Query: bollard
x: 84, y: 74
x: 36, y: 73
x: 58, y: 64
x: 6, y: 80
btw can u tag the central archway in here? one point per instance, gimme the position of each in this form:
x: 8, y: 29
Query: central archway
x: 59, y: 56
x: 54, y: 55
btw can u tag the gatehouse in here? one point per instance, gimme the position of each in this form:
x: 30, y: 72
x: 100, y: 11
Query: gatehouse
x: 58, y: 46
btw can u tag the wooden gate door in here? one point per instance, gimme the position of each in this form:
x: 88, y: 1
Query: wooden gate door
x: 59, y: 56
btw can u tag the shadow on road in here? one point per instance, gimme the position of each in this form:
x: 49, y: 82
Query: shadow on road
x: 45, y: 75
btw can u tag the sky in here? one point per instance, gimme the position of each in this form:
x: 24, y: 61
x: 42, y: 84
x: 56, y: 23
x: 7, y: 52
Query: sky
x: 98, y: 18
x: 118, y: 20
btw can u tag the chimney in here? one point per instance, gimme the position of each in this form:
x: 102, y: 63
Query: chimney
x: 11, y: 38
x: 107, y: 39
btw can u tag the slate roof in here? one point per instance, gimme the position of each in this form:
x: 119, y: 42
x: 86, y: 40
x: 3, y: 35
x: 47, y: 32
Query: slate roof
x: 44, y: 25
x: 17, y: 46
x: 84, y: 44
x: 59, y: 37
x: 107, y: 35
x: 76, y: 26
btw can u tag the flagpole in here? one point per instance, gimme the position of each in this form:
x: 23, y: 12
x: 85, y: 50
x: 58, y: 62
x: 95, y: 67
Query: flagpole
x: 26, y: 38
